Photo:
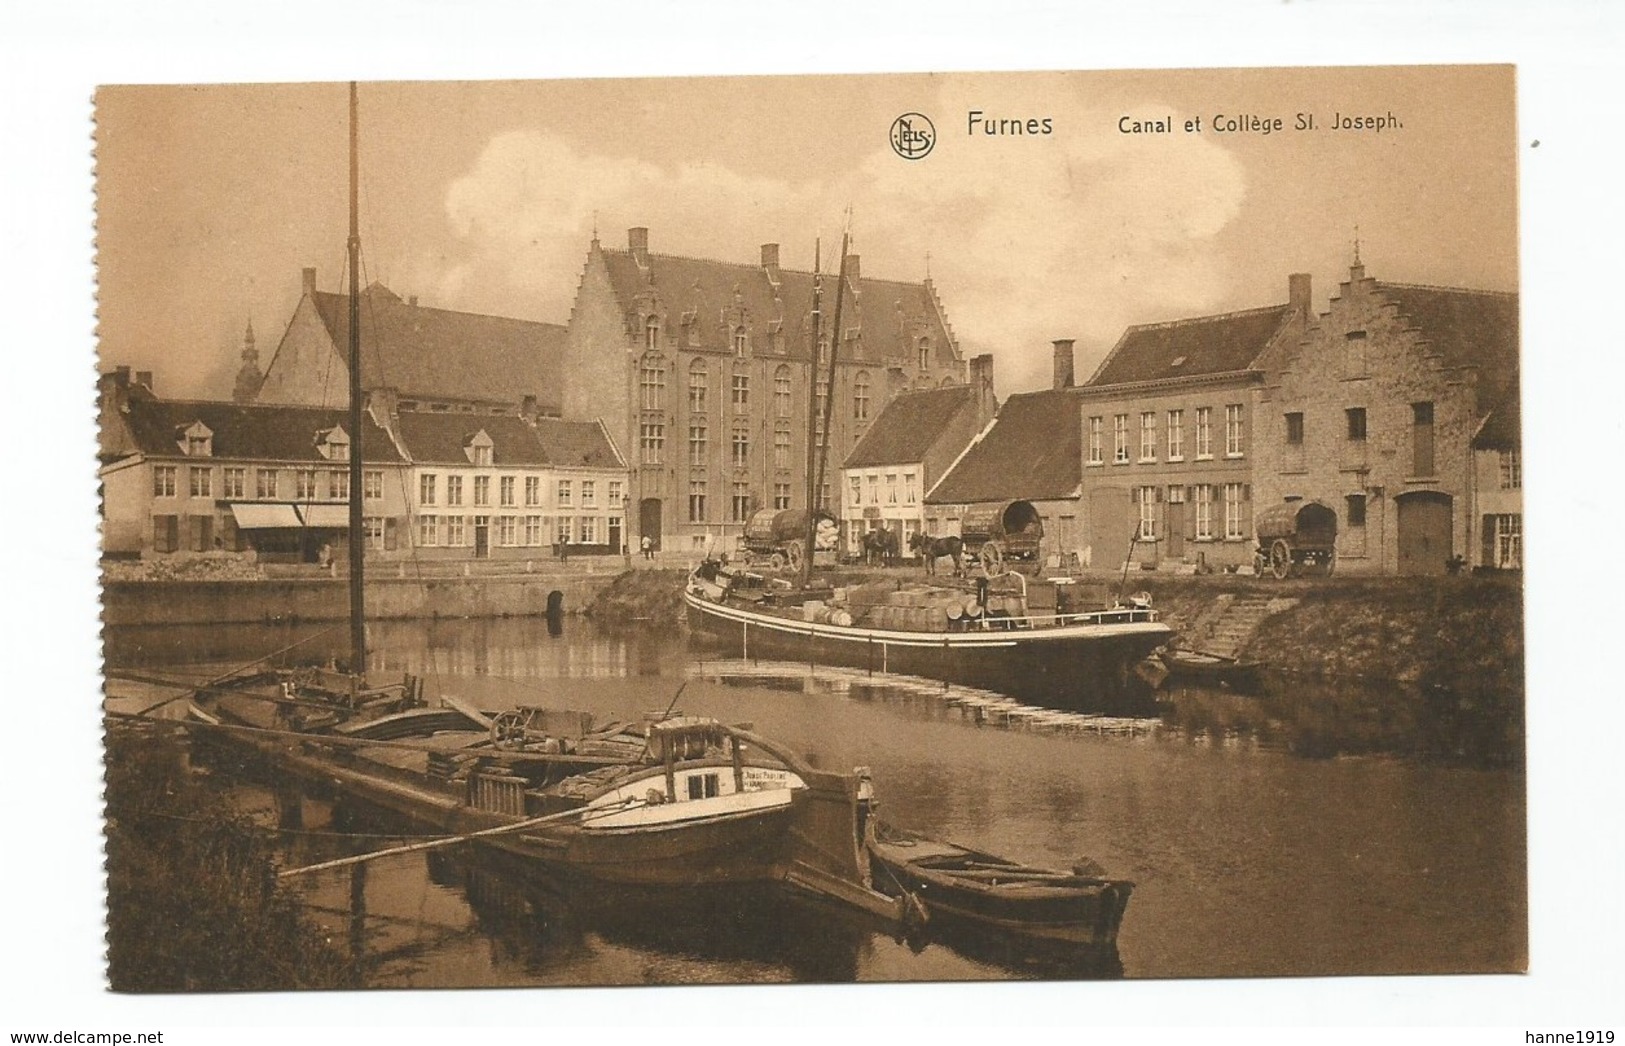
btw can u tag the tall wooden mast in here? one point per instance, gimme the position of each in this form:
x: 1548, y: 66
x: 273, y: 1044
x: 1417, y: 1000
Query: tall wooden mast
x: 358, y: 628
x: 809, y: 539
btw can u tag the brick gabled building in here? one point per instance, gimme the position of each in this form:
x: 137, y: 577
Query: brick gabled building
x: 918, y: 435
x: 183, y: 476
x: 426, y: 358
x: 510, y: 486
x: 1030, y: 452
x: 1168, y: 423
x: 1384, y: 411
x: 701, y: 370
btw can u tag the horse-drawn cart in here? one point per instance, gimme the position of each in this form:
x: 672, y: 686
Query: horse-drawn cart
x: 776, y: 538
x: 1297, y: 537
x: 1002, y: 534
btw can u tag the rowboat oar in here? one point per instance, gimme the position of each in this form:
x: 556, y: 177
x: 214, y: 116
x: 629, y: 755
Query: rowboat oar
x: 451, y: 840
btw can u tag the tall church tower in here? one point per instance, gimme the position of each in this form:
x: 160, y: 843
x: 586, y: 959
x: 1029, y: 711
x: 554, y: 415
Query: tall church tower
x: 248, y: 376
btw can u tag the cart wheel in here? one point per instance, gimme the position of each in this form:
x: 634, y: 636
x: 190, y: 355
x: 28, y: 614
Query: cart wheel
x: 992, y: 557
x: 795, y: 556
x: 508, y: 729
x: 1280, y: 559
x: 778, y: 561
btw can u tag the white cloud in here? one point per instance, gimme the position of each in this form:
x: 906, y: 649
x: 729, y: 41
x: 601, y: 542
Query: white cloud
x: 1067, y: 235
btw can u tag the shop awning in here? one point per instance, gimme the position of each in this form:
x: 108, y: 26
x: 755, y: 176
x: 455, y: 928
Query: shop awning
x: 264, y: 517
x: 325, y: 515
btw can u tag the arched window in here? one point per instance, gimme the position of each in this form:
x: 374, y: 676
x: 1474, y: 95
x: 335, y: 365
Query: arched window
x: 698, y: 382
x: 741, y: 342
x: 860, y: 396
x: 652, y: 380
x: 741, y: 444
x: 925, y: 353
x: 781, y: 392
x: 651, y: 334
x: 949, y: 382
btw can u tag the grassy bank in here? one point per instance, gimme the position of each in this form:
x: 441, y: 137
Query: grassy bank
x: 651, y: 598
x: 1463, y: 632
x: 192, y: 898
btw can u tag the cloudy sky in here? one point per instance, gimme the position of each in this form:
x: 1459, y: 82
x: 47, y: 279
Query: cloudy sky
x: 483, y: 196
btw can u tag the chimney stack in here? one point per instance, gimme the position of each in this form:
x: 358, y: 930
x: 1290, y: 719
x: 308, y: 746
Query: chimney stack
x: 527, y: 408
x: 121, y: 377
x: 770, y: 256
x: 307, y: 277
x: 637, y: 241
x: 981, y: 382
x: 144, y: 378
x: 1063, y: 363
x: 1299, y: 294
x: 412, y: 300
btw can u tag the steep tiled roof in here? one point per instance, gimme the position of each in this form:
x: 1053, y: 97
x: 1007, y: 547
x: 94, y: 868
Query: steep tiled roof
x: 426, y: 352
x: 1181, y: 348
x: 1469, y: 329
x: 249, y: 430
x: 888, y: 311
x: 1502, y: 429
x: 909, y: 425
x: 441, y: 438
x: 580, y: 444
x: 1033, y: 451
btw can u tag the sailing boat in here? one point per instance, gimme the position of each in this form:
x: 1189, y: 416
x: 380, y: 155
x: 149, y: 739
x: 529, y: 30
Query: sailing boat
x: 673, y: 799
x: 1004, y: 631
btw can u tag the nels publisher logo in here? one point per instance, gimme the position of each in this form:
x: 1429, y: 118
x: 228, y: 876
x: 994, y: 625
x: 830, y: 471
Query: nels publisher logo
x: 912, y: 136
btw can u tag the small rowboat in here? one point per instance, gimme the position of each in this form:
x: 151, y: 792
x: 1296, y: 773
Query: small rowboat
x: 995, y: 894
x: 1195, y: 666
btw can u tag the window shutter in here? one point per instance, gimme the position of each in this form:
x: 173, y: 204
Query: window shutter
x: 1246, y: 492
x: 392, y: 536
x: 1136, y: 495
x: 1487, y: 547
x: 1158, y: 495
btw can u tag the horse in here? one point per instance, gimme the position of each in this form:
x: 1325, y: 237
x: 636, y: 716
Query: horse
x: 882, y: 544
x: 931, y: 549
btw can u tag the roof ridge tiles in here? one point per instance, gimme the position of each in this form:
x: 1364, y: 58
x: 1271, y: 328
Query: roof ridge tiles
x: 1450, y: 290
x: 756, y: 268
x: 1234, y: 314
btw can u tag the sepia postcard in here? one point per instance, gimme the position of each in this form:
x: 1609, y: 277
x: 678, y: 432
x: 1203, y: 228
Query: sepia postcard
x: 812, y: 529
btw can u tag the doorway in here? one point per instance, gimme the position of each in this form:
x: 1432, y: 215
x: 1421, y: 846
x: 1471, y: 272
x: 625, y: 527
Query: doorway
x: 649, y: 521
x: 1424, y: 532
x: 482, y: 537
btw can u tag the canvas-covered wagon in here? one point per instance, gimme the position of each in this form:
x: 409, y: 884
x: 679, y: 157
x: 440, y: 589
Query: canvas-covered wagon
x: 777, y: 537
x: 1002, y: 533
x: 1297, y: 537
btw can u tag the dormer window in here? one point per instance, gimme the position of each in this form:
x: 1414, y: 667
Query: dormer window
x: 740, y: 341
x: 651, y: 334
x: 334, y: 444
x: 925, y: 353
x: 196, y: 440
x: 478, y: 449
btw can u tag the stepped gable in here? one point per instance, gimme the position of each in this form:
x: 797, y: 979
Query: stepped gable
x: 440, y: 354
x: 1033, y: 451
x: 909, y: 425
x: 888, y: 311
x: 1469, y: 329
x: 271, y: 432
x: 1183, y: 348
x: 442, y: 438
x: 577, y: 444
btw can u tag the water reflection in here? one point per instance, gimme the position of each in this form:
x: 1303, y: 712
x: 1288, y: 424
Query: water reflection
x: 1254, y: 852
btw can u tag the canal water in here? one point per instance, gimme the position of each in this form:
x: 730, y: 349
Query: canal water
x: 1307, y: 830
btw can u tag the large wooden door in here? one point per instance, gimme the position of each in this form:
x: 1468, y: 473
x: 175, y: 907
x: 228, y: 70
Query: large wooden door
x: 1424, y: 532
x: 649, y: 520
x: 1176, y: 529
x: 1111, y: 520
